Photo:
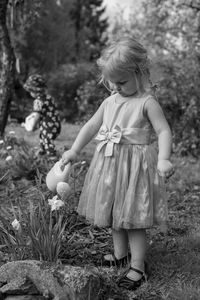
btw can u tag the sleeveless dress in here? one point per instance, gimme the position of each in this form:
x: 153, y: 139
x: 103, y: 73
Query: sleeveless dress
x: 122, y: 188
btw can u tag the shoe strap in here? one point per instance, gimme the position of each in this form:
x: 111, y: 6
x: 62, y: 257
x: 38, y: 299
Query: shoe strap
x: 137, y: 271
x: 140, y: 272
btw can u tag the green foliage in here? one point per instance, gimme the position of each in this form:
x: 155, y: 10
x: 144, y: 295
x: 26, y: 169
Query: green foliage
x: 89, y: 97
x: 90, y: 28
x: 170, y: 31
x: 19, y: 158
x: 53, y: 46
x: 39, y: 234
x: 178, y: 55
x: 180, y: 101
x: 44, y: 229
x: 35, y: 230
x: 173, y: 257
x: 48, y: 34
x: 77, y: 91
x: 64, y: 85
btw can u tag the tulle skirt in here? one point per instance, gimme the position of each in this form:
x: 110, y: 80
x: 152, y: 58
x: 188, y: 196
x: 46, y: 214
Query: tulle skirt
x: 124, y: 190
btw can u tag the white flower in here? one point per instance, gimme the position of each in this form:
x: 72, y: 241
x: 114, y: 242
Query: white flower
x: 16, y: 225
x: 55, y: 203
x: 1, y: 142
x: 9, y: 158
x: 8, y: 147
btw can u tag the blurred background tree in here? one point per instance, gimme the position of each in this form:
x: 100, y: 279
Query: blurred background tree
x: 172, y: 29
x: 11, y: 21
x: 90, y: 28
x: 7, y: 65
x: 171, y: 32
x: 53, y: 37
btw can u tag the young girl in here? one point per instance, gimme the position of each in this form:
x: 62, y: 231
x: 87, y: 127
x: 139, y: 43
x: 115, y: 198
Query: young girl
x: 46, y: 114
x: 123, y: 188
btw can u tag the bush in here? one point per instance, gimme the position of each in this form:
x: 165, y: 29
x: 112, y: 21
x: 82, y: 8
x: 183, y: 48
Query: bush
x: 64, y: 83
x: 179, y: 95
x: 89, y: 97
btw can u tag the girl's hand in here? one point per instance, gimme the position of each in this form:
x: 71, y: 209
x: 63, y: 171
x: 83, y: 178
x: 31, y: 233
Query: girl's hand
x: 68, y: 156
x: 165, y: 168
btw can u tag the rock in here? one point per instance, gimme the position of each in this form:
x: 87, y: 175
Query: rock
x: 84, y: 282
x: 13, y: 275
x: 45, y: 281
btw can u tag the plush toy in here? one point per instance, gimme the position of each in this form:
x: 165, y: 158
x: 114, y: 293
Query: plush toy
x: 57, y: 178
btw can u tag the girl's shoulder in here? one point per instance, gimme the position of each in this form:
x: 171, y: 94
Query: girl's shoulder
x: 108, y: 100
x: 146, y: 100
x: 150, y: 103
x: 149, y: 97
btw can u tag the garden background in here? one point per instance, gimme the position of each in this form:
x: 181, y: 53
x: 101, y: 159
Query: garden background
x: 62, y: 40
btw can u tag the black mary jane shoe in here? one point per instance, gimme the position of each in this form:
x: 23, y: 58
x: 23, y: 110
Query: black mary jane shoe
x: 130, y: 284
x: 114, y: 262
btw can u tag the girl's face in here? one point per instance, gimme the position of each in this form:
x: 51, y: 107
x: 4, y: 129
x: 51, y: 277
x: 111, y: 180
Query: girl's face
x: 125, y: 84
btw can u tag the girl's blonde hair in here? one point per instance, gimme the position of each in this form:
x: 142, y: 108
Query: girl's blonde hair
x: 125, y: 54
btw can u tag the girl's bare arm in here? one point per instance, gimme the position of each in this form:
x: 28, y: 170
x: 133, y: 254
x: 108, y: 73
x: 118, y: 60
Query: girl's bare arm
x: 156, y: 117
x: 87, y: 132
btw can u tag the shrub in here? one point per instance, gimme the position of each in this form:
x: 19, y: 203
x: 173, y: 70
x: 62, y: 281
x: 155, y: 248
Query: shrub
x: 19, y: 158
x: 36, y: 231
x: 179, y: 95
x: 89, y: 97
x: 64, y: 85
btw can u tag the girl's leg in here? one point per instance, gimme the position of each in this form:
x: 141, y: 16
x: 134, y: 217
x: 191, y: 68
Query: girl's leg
x: 51, y: 134
x: 137, y: 242
x: 120, y: 242
x: 42, y: 144
x: 49, y: 145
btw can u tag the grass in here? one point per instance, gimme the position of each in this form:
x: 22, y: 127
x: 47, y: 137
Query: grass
x: 65, y: 139
x: 173, y: 257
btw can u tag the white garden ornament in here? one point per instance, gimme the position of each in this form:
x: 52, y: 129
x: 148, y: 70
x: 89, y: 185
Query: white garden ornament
x: 56, y: 175
x: 31, y: 121
x: 63, y: 190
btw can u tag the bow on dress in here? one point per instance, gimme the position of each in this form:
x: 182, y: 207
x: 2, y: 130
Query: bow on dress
x: 108, y: 138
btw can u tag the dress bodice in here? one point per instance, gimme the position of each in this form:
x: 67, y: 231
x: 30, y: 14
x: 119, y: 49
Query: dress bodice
x: 127, y: 113
x: 124, y: 122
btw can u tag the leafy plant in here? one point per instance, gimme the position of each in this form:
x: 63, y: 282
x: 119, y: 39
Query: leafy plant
x: 36, y: 231
x: 20, y: 158
x: 11, y: 237
x: 89, y: 97
x: 45, y: 231
x: 64, y: 83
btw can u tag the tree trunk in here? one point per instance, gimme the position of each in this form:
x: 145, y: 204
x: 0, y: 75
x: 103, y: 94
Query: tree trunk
x: 8, y: 68
x: 77, y: 28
